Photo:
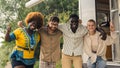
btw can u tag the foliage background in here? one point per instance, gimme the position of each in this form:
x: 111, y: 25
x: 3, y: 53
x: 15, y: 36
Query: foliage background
x: 12, y: 11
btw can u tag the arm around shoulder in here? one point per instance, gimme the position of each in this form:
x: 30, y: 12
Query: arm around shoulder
x: 61, y: 26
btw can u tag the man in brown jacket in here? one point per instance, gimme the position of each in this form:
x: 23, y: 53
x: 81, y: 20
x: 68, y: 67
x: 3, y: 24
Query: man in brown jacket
x: 50, y: 44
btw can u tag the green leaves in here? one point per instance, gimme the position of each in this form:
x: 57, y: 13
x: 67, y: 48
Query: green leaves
x: 5, y: 51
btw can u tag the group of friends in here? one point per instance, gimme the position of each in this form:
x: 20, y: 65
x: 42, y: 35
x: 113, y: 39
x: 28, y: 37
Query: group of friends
x: 76, y: 39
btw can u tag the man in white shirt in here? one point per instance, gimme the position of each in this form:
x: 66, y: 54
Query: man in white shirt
x: 73, y: 33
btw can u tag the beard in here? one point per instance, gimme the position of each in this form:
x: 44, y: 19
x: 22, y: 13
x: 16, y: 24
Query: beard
x: 74, y: 28
x: 52, y: 29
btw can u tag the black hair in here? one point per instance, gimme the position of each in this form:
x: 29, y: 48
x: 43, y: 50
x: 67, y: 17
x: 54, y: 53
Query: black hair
x: 74, y: 16
x: 54, y: 19
x: 104, y: 24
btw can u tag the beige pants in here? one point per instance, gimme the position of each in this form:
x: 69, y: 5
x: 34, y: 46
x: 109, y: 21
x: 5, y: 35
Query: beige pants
x: 68, y: 61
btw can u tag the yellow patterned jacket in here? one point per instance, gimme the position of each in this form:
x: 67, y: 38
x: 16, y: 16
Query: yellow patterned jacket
x: 25, y: 45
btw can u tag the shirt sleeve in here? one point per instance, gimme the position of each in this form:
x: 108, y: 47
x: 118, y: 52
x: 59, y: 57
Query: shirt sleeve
x: 85, y: 30
x: 87, y: 48
x: 111, y: 39
x: 61, y: 27
x: 14, y: 35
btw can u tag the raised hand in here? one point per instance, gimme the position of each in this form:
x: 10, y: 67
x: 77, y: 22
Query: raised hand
x: 20, y: 24
x: 7, y: 36
x: 112, y: 27
x: 8, y: 28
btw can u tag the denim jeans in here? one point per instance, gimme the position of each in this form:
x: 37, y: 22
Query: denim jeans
x: 100, y: 63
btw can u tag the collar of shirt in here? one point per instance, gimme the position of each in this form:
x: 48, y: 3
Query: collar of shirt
x: 96, y: 33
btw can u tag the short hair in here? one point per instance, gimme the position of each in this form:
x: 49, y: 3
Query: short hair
x: 74, y: 16
x: 54, y: 19
x: 35, y: 16
x: 91, y: 20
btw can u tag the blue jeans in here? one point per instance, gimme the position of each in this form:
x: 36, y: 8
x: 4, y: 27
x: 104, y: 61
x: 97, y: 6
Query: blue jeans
x: 100, y: 63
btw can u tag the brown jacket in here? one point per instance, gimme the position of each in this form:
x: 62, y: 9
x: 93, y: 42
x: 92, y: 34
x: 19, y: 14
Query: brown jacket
x: 50, y: 45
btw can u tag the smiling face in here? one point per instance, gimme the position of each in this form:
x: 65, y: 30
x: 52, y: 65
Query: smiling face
x: 74, y: 24
x: 91, y: 26
x: 34, y: 20
x: 53, y: 25
x: 32, y: 25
